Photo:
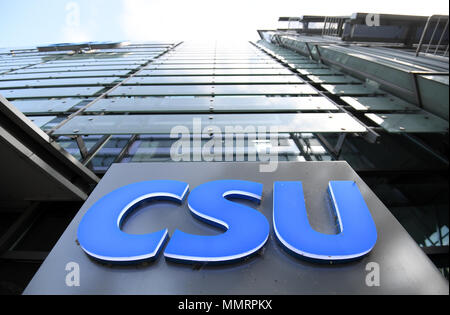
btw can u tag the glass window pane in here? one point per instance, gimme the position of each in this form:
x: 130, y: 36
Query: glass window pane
x: 41, y: 121
x: 378, y: 103
x: 163, y: 124
x: 207, y: 104
x: 50, y: 92
x: 45, y: 106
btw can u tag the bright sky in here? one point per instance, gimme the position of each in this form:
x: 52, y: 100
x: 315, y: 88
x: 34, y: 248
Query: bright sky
x: 37, y: 22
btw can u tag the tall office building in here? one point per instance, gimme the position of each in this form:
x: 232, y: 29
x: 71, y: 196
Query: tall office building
x: 371, y: 90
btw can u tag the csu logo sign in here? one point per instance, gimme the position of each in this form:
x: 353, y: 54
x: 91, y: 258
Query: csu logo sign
x: 246, y: 229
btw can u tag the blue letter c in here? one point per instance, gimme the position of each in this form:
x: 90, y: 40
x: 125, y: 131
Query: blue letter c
x: 99, y: 232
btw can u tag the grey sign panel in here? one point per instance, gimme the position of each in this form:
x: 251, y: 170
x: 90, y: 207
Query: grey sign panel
x: 207, y: 104
x: 403, y: 267
x: 53, y: 92
x: 411, y: 123
x: 163, y: 124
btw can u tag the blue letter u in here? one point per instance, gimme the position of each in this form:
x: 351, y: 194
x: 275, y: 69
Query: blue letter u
x: 357, y: 235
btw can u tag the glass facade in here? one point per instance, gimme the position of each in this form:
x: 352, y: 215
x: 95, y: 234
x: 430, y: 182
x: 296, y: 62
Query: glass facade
x: 123, y: 105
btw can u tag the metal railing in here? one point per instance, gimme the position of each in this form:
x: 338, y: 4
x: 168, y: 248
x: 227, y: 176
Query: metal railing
x: 437, y: 44
x: 333, y: 26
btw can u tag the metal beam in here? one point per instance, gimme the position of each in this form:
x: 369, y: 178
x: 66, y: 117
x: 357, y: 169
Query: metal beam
x: 125, y: 149
x: 95, y: 149
x: 19, y: 227
x: 81, y: 146
x: 25, y: 256
x: 36, y: 144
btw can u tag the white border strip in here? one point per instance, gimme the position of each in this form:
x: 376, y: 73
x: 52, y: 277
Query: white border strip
x: 207, y: 217
x: 336, y: 208
x: 315, y: 256
x: 240, y: 192
x: 132, y: 258
x: 224, y: 224
x: 217, y: 259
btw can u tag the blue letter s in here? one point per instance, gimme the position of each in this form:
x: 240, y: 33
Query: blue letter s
x: 247, y: 230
